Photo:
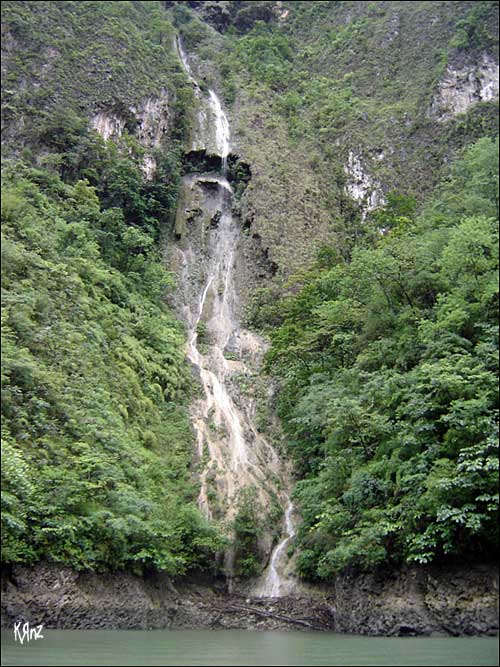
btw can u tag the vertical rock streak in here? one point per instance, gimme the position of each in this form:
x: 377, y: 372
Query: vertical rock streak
x: 231, y: 451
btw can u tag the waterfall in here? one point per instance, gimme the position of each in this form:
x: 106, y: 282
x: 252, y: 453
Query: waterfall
x: 211, y: 119
x: 274, y: 584
x: 231, y: 451
x: 221, y: 129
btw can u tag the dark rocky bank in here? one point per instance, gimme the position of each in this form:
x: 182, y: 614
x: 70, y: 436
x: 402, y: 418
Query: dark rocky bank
x: 413, y: 601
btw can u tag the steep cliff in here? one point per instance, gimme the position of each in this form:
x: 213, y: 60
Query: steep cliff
x: 96, y: 439
x: 335, y: 105
x: 186, y: 182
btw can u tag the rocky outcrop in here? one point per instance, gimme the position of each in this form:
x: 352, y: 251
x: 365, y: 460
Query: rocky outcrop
x: 360, y: 185
x: 61, y: 598
x: 418, y: 601
x: 413, y: 601
x: 149, y: 121
x: 284, y: 207
x: 109, y: 125
x: 465, y: 85
x: 222, y: 14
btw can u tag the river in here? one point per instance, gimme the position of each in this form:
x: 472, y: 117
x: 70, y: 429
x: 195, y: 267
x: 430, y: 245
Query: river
x: 240, y: 647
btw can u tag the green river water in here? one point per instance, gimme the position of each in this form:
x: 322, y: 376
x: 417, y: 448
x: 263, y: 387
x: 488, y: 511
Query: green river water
x: 239, y: 647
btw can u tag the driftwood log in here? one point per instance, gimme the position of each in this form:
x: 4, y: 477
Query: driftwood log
x: 228, y: 607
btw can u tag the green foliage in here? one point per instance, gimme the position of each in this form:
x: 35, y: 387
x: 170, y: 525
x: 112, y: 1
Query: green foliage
x: 261, y: 311
x: 476, y: 30
x: 388, y: 364
x: 265, y: 55
x: 397, y: 215
x: 96, y: 441
x: 67, y: 60
x: 472, y: 185
x: 351, y: 76
x: 246, y: 532
x: 202, y: 332
x: 248, y: 13
x: 94, y: 380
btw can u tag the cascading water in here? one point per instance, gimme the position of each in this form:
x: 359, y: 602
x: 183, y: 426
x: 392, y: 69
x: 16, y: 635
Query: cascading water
x: 221, y: 129
x: 212, y: 127
x: 231, y: 451
x: 274, y: 584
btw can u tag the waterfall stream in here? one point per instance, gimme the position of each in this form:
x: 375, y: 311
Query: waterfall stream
x: 274, y: 584
x: 231, y: 451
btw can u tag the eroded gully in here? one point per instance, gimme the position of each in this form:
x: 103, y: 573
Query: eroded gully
x: 232, y: 453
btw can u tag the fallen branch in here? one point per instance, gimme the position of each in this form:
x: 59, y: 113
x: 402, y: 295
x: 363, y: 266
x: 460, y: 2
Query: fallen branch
x: 270, y: 614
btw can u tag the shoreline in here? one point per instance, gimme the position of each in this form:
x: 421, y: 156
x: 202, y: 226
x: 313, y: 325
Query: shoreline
x: 456, y: 601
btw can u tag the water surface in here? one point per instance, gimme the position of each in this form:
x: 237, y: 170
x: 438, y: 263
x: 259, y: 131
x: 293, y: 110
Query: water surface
x: 240, y: 647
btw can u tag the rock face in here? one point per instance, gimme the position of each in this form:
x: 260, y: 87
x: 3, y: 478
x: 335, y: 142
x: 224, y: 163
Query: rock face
x: 360, y: 186
x: 108, y: 125
x: 235, y: 461
x: 464, y: 86
x: 413, y: 601
x: 60, y: 598
x: 418, y: 601
x: 151, y: 120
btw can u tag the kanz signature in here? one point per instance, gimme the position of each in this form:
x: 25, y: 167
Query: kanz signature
x: 26, y: 633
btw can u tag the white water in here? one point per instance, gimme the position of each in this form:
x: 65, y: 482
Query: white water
x: 233, y: 454
x: 274, y: 583
x: 184, y: 60
x: 218, y: 424
x: 215, y: 119
x: 221, y: 129
x: 222, y: 325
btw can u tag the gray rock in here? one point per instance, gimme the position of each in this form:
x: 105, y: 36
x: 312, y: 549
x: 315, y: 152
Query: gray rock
x: 408, y: 602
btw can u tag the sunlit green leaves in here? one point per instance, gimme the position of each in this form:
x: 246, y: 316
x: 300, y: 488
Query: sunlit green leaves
x: 389, y: 387
x: 96, y: 442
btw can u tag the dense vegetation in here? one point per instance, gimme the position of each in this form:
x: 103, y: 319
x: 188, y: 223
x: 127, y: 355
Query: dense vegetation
x: 388, y: 365
x: 77, y: 58
x: 96, y: 441
x: 385, y: 350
